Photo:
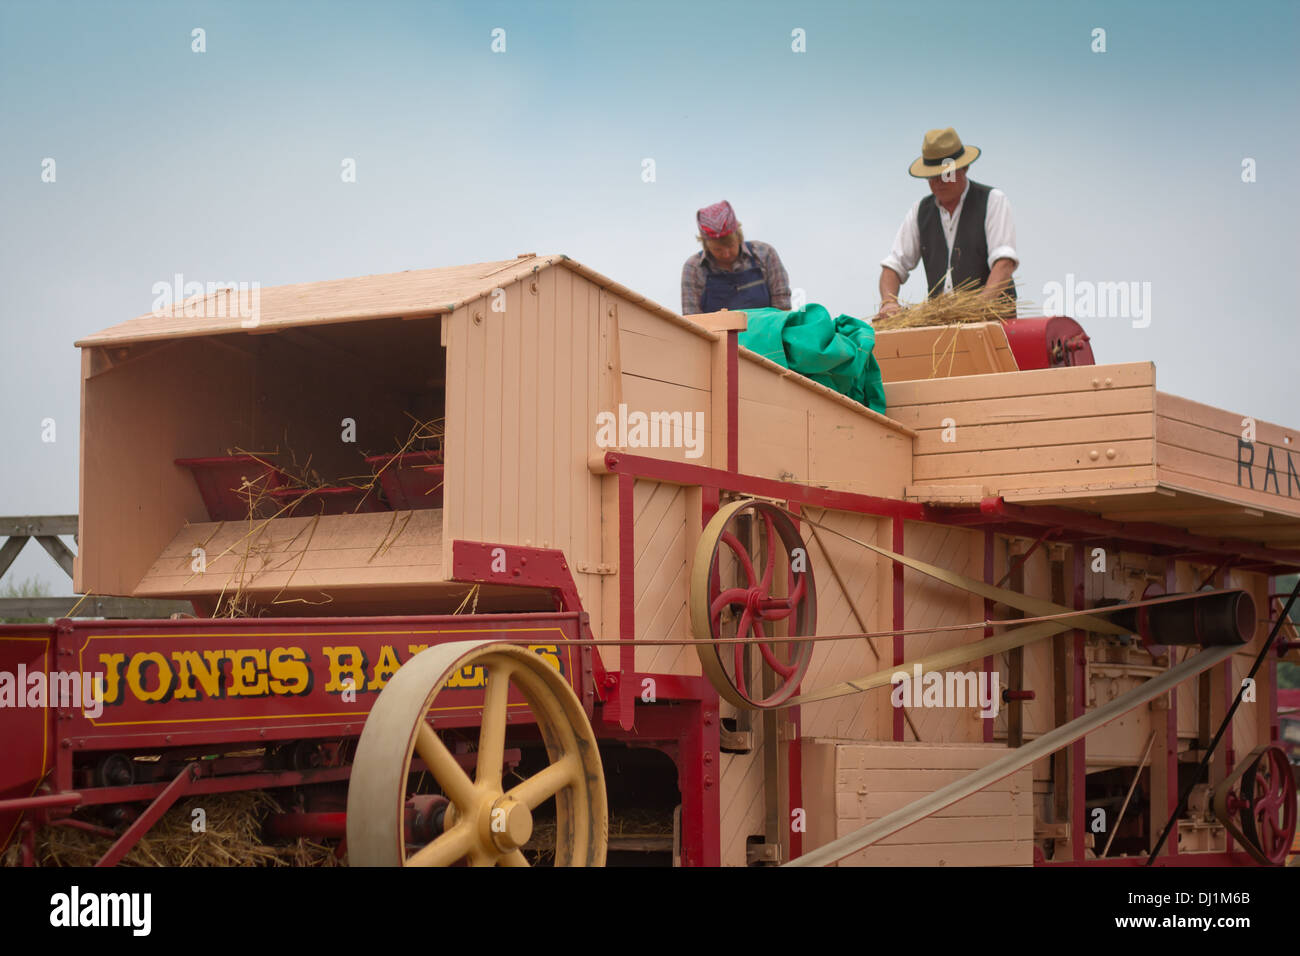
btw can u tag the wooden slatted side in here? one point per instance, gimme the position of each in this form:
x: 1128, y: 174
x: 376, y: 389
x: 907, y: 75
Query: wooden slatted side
x: 321, y: 553
x: 129, y: 440
x: 792, y: 430
x: 930, y: 603
x: 517, y: 459
x: 868, y: 580
x: 943, y: 352
x: 1037, y: 714
x: 666, y: 372
x: 993, y: 827
x: 741, y: 797
x: 662, y: 577
x: 1069, y: 427
x: 1205, y: 450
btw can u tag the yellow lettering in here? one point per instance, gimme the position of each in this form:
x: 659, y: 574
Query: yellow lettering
x: 340, y: 671
x: 135, y: 676
x: 386, y: 668
x: 190, y: 668
x: 248, y: 672
x: 469, y: 676
x: 549, y: 653
x: 289, y: 671
x: 112, y: 677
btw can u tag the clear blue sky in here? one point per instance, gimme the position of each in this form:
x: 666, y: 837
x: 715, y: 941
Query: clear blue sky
x: 1120, y: 166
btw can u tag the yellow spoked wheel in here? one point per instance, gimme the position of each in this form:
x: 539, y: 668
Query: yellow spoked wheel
x: 486, y: 823
x: 750, y: 577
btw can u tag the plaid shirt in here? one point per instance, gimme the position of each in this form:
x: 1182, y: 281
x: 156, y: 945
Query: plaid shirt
x: 696, y: 273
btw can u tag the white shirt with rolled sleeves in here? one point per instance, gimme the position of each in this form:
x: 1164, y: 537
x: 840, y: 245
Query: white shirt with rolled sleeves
x: 999, y: 231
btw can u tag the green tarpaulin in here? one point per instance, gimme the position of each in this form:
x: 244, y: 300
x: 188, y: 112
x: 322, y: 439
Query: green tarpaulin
x: 835, y: 352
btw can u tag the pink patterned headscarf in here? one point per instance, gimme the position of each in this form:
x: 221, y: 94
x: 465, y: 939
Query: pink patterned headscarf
x: 717, y: 220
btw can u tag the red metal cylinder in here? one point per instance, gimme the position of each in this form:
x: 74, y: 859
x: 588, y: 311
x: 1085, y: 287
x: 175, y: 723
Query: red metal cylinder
x: 1048, y: 341
x: 327, y: 826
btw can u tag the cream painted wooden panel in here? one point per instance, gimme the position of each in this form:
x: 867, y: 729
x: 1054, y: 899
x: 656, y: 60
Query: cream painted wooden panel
x: 517, y: 464
x: 662, y: 578
x: 180, y: 400
x: 793, y: 432
x: 868, y: 780
x: 858, y: 716
x: 741, y: 799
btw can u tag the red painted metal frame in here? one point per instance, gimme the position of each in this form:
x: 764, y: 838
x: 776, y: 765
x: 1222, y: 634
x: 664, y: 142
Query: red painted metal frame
x: 546, y: 568
x: 794, y: 758
x: 899, y: 614
x: 1170, y: 848
x: 1003, y: 517
x: 1078, y: 749
x: 624, y: 702
x: 140, y: 826
x: 989, y: 537
x: 733, y: 401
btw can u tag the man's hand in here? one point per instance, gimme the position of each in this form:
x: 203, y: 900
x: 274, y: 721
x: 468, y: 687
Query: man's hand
x: 999, y: 278
x: 889, y: 284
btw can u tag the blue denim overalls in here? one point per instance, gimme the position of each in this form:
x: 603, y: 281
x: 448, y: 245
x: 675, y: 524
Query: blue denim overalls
x: 746, y: 289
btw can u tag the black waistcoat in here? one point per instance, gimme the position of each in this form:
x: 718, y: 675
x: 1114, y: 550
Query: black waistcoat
x: 970, y: 260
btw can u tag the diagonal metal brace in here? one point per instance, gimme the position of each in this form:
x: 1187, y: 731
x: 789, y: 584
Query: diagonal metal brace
x: 161, y: 804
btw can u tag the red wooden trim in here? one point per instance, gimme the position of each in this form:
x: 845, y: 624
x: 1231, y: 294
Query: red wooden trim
x: 1135, y: 531
x: 1274, y: 721
x: 155, y: 810
x: 794, y: 757
x: 1229, y: 693
x: 988, y: 722
x: 685, y: 473
x: 733, y: 401
x: 626, y: 599
x: 898, y: 544
x: 1021, y: 520
x: 1171, y: 742
x: 1079, y: 777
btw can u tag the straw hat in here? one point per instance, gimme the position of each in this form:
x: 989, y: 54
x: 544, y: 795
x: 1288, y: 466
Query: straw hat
x: 939, y: 146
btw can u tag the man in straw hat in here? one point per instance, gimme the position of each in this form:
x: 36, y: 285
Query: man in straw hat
x: 962, y: 231
x: 730, y: 273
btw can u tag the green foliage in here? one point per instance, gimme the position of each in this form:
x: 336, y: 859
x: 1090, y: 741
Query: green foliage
x: 30, y: 588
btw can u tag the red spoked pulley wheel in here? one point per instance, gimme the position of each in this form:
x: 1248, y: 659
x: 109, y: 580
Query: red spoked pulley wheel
x: 1268, y: 816
x: 752, y: 578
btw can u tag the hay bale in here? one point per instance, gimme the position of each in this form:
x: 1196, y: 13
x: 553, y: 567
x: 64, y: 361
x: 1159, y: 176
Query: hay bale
x: 959, y: 307
x: 232, y: 836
